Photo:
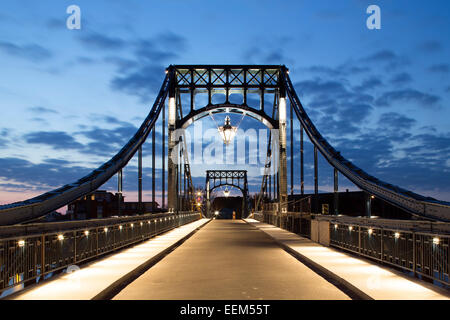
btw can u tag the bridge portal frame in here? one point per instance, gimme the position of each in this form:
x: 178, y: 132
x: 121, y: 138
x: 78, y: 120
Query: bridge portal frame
x: 227, y: 79
x: 238, y: 180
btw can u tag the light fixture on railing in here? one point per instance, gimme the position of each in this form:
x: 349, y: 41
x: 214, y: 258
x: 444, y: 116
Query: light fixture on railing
x: 397, y: 235
x: 21, y: 243
x: 370, y: 231
x: 60, y: 237
x: 86, y: 233
x: 227, y: 131
x: 436, y: 240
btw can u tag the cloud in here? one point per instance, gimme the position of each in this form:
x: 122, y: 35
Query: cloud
x: 58, y: 140
x: 142, y: 75
x: 142, y: 82
x: 430, y: 46
x: 395, y: 121
x: 407, y: 95
x: 42, y: 176
x: 31, y: 52
x: 40, y: 110
x: 439, y: 68
x: 401, y: 78
x: 96, y: 40
x: 389, y: 58
x: 319, y: 87
x: 369, y: 84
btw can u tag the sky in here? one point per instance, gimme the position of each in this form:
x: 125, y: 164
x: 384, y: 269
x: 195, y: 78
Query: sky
x: 70, y: 99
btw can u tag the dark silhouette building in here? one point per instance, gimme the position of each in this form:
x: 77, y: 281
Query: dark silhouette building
x: 103, y: 204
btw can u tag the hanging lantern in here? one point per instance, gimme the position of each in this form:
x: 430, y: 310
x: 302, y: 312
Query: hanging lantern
x: 227, y: 132
x: 226, y: 192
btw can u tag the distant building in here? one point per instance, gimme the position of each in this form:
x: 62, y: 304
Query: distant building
x: 103, y: 204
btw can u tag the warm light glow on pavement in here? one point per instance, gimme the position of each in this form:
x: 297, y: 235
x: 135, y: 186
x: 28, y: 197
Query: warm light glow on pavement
x: 374, y: 280
x: 87, y: 282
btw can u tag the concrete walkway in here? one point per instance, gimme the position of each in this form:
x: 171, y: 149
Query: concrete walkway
x: 230, y: 259
x: 374, y: 280
x: 94, y: 278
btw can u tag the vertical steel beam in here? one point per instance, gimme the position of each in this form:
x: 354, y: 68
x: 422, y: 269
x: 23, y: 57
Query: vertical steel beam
x: 282, y: 163
x: 163, y: 158
x: 172, y: 156
x: 119, y: 192
x: 140, y: 179
x: 292, y: 149
x: 336, y: 194
x: 316, y: 183
x: 153, y: 169
x: 302, y: 171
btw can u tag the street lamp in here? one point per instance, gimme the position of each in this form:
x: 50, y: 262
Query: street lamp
x: 227, y: 132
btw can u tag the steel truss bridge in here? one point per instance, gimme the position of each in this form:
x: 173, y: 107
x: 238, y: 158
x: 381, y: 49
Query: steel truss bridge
x: 186, y: 83
x: 30, y: 251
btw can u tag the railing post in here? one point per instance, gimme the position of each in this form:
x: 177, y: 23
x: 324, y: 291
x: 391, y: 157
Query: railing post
x: 74, y: 247
x: 359, y: 239
x: 414, y: 253
x: 42, y: 256
x: 96, y: 240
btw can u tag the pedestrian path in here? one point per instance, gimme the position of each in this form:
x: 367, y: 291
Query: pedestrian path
x: 372, y: 279
x: 230, y: 260
x: 95, y: 278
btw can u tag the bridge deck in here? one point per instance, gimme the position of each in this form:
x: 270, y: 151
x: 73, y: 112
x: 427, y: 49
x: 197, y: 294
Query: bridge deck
x: 372, y: 279
x: 230, y: 259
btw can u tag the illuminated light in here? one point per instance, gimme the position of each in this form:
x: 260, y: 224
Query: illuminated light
x: 370, y: 231
x: 166, y: 71
x: 21, y: 243
x: 149, y: 222
x: 120, y: 227
x: 86, y: 233
x: 105, y: 229
x: 335, y: 226
x: 282, y: 110
x: 216, y: 213
x: 397, y: 235
x: 141, y: 224
x: 60, y: 237
x: 226, y: 193
x: 436, y: 240
x: 199, y: 193
x: 372, y: 197
x: 132, y: 225
x: 172, y: 111
x: 350, y: 228
x: 227, y: 132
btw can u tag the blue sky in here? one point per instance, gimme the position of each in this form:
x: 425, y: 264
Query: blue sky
x: 70, y: 99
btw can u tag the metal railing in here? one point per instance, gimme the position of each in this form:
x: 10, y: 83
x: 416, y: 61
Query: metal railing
x: 27, y: 256
x: 299, y: 223
x: 423, y: 253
